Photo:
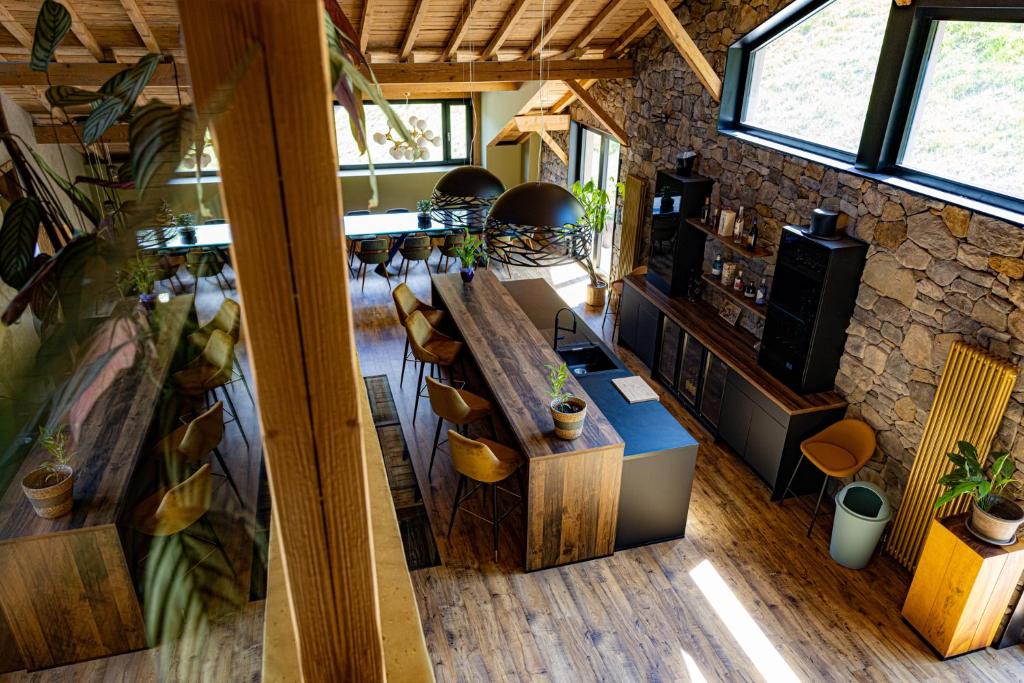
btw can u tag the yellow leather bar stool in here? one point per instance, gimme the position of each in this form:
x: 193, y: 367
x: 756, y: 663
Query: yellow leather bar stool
x: 228, y: 319
x: 488, y: 464
x: 457, y: 406
x: 429, y: 347
x: 209, y: 371
x: 840, y: 450
x: 405, y: 303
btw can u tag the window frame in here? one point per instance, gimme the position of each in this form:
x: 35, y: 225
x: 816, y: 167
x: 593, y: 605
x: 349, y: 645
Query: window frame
x: 902, y: 67
x: 446, y: 141
x: 576, y: 149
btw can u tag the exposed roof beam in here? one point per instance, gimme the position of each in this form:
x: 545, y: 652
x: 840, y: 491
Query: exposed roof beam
x: 364, y: 24
x: 414, y: 28
x: 684, y: 43
x: 570, y: 97
x: 130, y: 55
x: 82, y: 75
x: 460, y: 31
x: 48, y: 135
x: 400, y: 90
x: 595, y: 26
x: 519, y: 71
x: 640, y: 28
x: 534, y: 123
x: 82, y: 32
x: 138, y: 19
x: 513, y: 17
x: 555, y: 147
x: 15, y: 28
x: 558, y: 20
x: 508, y: 129
x: 588, y: 101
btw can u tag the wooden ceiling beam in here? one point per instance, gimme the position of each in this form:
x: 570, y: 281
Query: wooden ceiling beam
x: 606, y: 120
x: 534, y: 123
x: 82, y: 32
x: 592, y: 29
x: 508, y: 129
x: 138, y: 19
x: 570, y: 97
x: 517, y: 71
x: 511, y: 19
x: 460, y: 31
x: 558, y: 19
x: 15, y: 28
x: 364, y: 24
x: 63, y: 135
x: 640, y: 28
x: 78, y: 74
x: 415, y: 24
x: 669, y: 23
x: 562, y: 155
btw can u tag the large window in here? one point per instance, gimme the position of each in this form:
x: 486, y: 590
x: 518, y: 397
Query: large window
x: 930, y: 95
x: 444, y: 129
x: 595, y: 156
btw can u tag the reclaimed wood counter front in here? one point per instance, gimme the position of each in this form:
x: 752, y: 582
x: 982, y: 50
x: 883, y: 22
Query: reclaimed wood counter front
x: 67, y: 591
x: 573, y: 486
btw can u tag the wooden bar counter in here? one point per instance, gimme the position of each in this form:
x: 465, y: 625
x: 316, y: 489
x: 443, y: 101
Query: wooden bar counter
x: 67, y: 592
x: 573, y: 486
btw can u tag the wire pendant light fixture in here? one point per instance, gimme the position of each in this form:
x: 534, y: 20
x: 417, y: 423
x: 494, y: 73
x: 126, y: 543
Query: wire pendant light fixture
x: 537, y: 225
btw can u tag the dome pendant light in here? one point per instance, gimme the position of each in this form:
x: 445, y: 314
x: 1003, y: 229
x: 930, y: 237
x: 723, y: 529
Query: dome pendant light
x: 464, y: 195
x: 537, y: 225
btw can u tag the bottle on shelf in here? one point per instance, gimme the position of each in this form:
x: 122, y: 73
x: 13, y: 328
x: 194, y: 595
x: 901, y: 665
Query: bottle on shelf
x: 728, y: 273
x: 762, y: 294
x: 752, y: 235
x: 749, y: 291
x: 738, y: 284
x: 705, y: 214
x: 716, y: 266
x: 737, y: 231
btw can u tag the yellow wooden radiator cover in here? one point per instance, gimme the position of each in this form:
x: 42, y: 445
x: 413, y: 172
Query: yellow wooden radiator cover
x: 973, y: 393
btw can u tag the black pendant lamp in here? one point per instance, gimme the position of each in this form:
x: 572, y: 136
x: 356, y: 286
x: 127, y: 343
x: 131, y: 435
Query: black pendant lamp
x: 464, y: 195
x: 537, y: 225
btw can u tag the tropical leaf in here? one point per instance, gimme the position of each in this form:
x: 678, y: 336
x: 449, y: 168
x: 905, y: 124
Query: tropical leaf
x: 70, y: 96
x: 159, y: 137
x: 112, y: 184
x: 52, y: 25
x: 77, y: 197
x: 127, y: 85
x: 103, y: 116
x: 955, y: 492
x: 25, y: 295
x: 18, y: 236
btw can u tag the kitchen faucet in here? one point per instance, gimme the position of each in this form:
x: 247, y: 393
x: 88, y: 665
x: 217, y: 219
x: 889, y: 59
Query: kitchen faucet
x: 559, y: 328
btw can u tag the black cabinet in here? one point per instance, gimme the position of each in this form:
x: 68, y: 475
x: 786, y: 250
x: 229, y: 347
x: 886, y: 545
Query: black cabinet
x: 675, y: 253
x: 638, y: 325
x: 712, y: 394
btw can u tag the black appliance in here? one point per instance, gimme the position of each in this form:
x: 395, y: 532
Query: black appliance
x: 812, y: 299
x: 676, y: 255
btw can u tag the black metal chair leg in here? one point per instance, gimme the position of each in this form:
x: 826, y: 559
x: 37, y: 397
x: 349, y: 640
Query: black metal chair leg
x: 227, y: 475
x: 792, y: 477
x: 815, y: 514
x: 495, y: 522
x: 437, y: 437
x: 362, y: 267
x: 215, y: 540
x: 234, y: 411
x: 419, y: 384
x: 405, y: 360
x: 455, y: 505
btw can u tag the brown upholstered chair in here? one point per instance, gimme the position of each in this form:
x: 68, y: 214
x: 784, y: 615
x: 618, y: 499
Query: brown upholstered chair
x: 458, y: 406
x: 405, y: 303
x: 228, y: 319
x: 371, y: 253
x: 429, y: 347
x: 207, y: 262
x: 488, y: 464
x: 448, y: 249
x: 195, y: 441
x: 415, y: 248
x: 209, y: 371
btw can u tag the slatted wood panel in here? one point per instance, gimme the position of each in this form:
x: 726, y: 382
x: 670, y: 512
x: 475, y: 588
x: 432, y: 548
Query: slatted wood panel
x: 972, y: 396
x: 634, y: 206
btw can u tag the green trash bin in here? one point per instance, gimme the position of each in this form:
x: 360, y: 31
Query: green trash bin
x: 862, y: 512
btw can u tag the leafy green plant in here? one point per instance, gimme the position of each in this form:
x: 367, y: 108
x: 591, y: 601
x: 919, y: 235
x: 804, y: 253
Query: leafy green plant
x: 55, y: 443
x: 469, y: 250
x: 558, y: 375
x: 185, y: 220
x: 969, y: 476
x: 424, y: 206
x: 596, y: 203
x: 137, y: 278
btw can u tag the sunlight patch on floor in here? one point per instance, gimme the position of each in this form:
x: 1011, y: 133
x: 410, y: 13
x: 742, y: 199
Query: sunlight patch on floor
x: 571, y: 282
x: 741, y: 625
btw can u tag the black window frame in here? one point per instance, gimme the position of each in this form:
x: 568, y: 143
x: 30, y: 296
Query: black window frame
x: 446, y: 142
x: 576, y: 130
x: 903, y: 60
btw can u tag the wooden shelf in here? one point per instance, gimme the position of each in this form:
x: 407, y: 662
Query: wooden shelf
x: 759, y: 253
x: 731, y: 294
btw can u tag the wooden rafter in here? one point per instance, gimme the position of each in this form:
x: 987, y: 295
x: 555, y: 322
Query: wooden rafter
x: 518, y: 71
x: 138, y: 19
x: 640, y: 28
x: 364, y: 24
x: 592, y: 29
x: 506, y: 130
x: 415, y: 24
x: 46, y: 135
x: 15, y: 28
x: 588, y: 101
x: 82, y: 75
x: 460, y: 30
x: 535, y: 123
x: 558, y: 19
x: 82, y: 32
x: 555, y: 147
x: 511, y: 19
x: 687, y: 48
x: 570, y: 96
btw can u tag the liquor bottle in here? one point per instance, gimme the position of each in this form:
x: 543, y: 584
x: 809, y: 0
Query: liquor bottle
x: 705, y: 214
x: 737, y: 231
x: 752, y: 235
x: 716, y: 266
x: 738, y: 284
x: 762, y: 294
x: 749, y: 291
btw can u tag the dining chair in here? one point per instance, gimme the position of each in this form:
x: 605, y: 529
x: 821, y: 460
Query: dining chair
x: 205, y: 263
x: 405, y: 303
x: 209, y: 371
x: 371, y: 253
x: 429, y: 347
x: 458, y: 406
x: 415, y: 248
x: 451, y: 242
x: 165, y: 266
x: 353, y: 241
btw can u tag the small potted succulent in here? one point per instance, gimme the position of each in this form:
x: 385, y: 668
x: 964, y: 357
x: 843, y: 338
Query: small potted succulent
x: 423, y: 206
x: 568, y: 412
x: 49, y: 486
x: 468, y: 252
x: 186, y: 223
x: 995, y: 518
x: 139, y: 278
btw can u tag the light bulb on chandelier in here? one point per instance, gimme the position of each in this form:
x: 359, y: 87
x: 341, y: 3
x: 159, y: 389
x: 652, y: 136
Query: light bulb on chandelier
x: 421, y: 137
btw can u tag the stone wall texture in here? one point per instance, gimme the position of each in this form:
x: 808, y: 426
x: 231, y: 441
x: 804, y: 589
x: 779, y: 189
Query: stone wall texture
x: 935, y: 273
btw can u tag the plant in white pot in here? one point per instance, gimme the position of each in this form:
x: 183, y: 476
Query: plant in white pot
x: 596, y: 203
x: 568, y: 412
x: 49, y: 486
x: 994, y: 517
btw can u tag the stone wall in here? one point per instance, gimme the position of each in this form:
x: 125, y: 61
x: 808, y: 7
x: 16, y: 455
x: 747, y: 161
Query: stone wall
x: 936, y: 272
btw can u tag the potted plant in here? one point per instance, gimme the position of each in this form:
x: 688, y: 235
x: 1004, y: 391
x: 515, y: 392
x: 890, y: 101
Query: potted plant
x: 186, y: 223
x: 468, y: 251
x: 49, y: 486
x: 424, y: 206
x: 568, y: 412
x: 595, y: 203
x: 139, y: 278
x: 994, y: 517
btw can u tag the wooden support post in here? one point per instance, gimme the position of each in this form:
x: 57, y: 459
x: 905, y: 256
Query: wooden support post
x: 588, y: 101
x: 687, y: 48
x: 275, y: 141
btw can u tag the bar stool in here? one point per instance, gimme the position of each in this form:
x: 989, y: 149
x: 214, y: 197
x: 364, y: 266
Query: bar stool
x: 615, y: 296
x: 457, y: 406
x: 371, y: 252
x: 415, y: 248
x: 228, y: 319
x: 192, y: 442
x: 209, y: 371
x: 840, y: 450
x: 429, y: 346
x: 488, y: 464
x: 405, y: 303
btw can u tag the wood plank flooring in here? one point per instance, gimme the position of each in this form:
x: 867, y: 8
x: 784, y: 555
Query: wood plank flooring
x: 649, y: 614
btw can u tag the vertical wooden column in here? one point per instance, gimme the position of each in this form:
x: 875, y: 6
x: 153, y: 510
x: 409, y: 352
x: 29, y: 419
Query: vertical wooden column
x: 274, y: 135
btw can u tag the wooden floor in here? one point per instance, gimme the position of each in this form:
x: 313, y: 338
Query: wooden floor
x: 745, y: 596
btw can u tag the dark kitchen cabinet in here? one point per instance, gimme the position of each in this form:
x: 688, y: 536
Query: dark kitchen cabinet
x: 638, y: 325
x: 712, y: 394
x: 668, y: 356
